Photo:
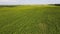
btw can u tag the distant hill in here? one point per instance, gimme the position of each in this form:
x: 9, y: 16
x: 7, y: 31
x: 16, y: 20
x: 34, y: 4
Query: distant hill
x: 8, y: 5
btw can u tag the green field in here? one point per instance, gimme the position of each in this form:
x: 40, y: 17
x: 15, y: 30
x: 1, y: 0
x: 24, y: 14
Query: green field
x: 30, y: 20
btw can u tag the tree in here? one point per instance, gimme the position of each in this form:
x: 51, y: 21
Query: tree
x: 57, y: 4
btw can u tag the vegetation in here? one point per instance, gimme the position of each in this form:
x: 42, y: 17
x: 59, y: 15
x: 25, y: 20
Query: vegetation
x: 30, y: 20
x: 8, y: 6
x: 55, y: 4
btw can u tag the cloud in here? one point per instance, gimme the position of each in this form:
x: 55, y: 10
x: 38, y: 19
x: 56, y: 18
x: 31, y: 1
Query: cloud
x: 29, y: 1
x: 8, y: 0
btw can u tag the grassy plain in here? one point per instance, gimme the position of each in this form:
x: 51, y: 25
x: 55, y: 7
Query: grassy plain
x: 30, y: 20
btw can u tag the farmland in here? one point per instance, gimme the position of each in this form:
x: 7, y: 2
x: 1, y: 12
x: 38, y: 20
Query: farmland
x: 30, y: 20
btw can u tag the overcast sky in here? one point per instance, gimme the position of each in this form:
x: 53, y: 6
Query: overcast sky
x: 29, y: 1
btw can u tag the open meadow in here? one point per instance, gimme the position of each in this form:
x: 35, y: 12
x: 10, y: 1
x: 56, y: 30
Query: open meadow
x: 30, y: 20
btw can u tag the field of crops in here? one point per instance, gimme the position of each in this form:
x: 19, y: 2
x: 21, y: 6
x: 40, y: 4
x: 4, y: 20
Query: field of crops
x: 30, y: 20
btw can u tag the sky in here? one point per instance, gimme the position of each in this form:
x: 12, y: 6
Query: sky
x: 29, y: 2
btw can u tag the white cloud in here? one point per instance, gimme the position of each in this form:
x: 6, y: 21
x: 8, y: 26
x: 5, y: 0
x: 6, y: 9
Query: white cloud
x: 8, y: 0
x: 3, y: 0
x: 29, y: 1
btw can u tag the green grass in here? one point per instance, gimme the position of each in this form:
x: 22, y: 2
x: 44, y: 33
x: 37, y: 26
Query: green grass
x: 30, y: 20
